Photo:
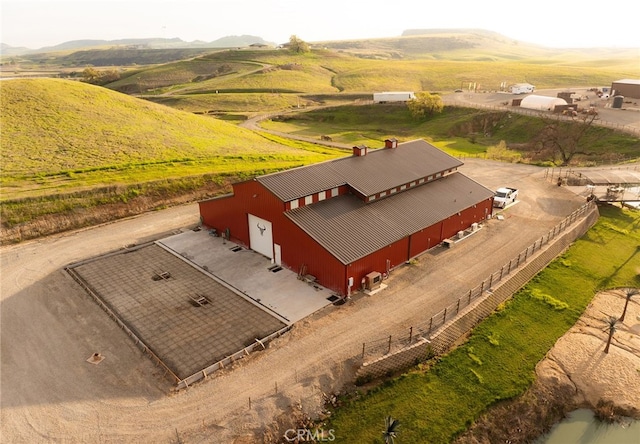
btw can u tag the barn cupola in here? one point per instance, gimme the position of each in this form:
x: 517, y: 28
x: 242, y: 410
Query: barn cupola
x: 391, y: 143
x: 360, y: 150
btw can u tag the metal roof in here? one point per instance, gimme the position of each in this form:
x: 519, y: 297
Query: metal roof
x: 610, y: 177
x: 350, y: 229
x: 628, y: 81
x: 378, y: 171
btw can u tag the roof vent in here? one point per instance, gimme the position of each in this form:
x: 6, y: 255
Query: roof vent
x: 391, y: 143
x: 360, y: 150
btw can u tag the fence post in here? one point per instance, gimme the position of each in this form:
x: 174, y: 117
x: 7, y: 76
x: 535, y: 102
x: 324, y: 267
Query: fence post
x: 509, y: 270
x: 481, y: 287
x: 469, y: 296
x: 430, y: 324
x: 363, y: 350
x: 491, y: 280
x: 444, y: 317
x: 518, y: 263
x: 458, y: 307
x: 389, y: 351
x: 410, y: 334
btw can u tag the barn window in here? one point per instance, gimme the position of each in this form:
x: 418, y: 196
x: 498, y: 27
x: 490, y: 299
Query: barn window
x: 294, y: 204
x: 403, y: 187
x: 334, y: 192
x: 393, y: 190
x: 384, y: 193
x: 322, y: 195
x: 412, y: 184
x: 308, y: 200
x: 421, y: 180
x: 430, y: 177
x: 372, y: 198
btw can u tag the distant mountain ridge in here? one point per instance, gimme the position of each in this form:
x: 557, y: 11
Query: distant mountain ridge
x: 146, y: 43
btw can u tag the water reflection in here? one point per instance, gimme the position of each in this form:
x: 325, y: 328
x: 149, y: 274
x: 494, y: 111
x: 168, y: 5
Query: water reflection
x: 581, y: 427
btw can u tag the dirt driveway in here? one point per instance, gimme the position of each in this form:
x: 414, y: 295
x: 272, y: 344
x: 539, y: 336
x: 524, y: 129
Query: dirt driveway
x: 49, y: 327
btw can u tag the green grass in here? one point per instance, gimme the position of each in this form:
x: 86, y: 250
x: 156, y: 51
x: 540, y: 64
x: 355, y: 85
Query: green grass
x: 498, y: 362
x: 61, y: 136
x: 325, y: 70
x: 458, y: 131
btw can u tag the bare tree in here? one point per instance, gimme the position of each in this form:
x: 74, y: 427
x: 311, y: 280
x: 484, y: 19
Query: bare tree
x: 629, y: 293
x: 611, y: 327
x: 562, y: 137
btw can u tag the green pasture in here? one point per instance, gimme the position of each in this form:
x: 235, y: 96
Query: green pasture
x: 171, y: 76
x: 62, y: 135
x: 458, y: 131
x: 434, y: 403
x: 325, y: 70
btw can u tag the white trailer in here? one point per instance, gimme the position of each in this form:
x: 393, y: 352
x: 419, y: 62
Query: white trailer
x: 393, y: 96
x: 522, y: 88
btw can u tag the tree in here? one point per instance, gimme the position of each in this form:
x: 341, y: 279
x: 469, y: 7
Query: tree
x: 90, y: 74
x: 629, y: 293
x: 425, y: 105
x: 391, y: 430
x: 611, y: 327
x: 298, y: 45
x: 561, y: 137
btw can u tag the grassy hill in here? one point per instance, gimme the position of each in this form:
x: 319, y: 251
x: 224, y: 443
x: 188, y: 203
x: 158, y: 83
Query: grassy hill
x: 439, y: 61
x: 68, y: 145
x: 57, y: 127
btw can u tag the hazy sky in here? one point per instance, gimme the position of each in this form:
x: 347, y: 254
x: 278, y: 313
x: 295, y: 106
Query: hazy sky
x: 553, y: 23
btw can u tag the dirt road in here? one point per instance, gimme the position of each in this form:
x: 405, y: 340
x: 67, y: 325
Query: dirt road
x: 49, y: 328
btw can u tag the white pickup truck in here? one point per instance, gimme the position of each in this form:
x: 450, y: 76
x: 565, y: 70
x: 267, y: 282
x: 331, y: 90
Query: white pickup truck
x: 504, y: 196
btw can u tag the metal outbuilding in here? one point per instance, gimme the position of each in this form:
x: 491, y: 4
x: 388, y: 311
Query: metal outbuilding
x: 542, y: 103
x: 339, y: 221
x: 627, y: 88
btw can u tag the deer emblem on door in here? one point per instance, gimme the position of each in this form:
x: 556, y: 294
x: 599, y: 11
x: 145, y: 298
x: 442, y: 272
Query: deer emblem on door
x: 261, y: 228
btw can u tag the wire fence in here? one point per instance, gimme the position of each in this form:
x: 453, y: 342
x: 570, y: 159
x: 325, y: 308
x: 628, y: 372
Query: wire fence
x: 375, y: 348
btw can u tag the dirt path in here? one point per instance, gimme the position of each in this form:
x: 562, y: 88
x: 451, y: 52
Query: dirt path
x: 49, y: 327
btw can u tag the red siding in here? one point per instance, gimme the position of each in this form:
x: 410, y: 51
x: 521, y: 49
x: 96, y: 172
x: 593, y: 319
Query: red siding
x: 231, y: 212
x: 396, y: 253
x: 425, y: 239
x: 298, y: 249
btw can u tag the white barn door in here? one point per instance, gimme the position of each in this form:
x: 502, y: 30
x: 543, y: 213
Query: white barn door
x: 261, y: 236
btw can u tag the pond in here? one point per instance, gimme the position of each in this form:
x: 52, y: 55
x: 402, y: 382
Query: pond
x: 581, y: 427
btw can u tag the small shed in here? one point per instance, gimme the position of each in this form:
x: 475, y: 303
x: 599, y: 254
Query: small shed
x: 627, y: 88
x: 541, y: 103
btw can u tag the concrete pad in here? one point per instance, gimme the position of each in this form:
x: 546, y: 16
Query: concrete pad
x: 248, y: 272
x: 155, y: 294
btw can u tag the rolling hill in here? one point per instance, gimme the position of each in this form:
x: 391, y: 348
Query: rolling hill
x: 59, y: 127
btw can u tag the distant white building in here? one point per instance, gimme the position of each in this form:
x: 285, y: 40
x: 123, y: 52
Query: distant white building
x: 393, y: 96
x: 522, y: 88
x: 541, y: 103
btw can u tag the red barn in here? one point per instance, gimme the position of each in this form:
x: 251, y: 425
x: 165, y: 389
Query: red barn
x: 344, y: 219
